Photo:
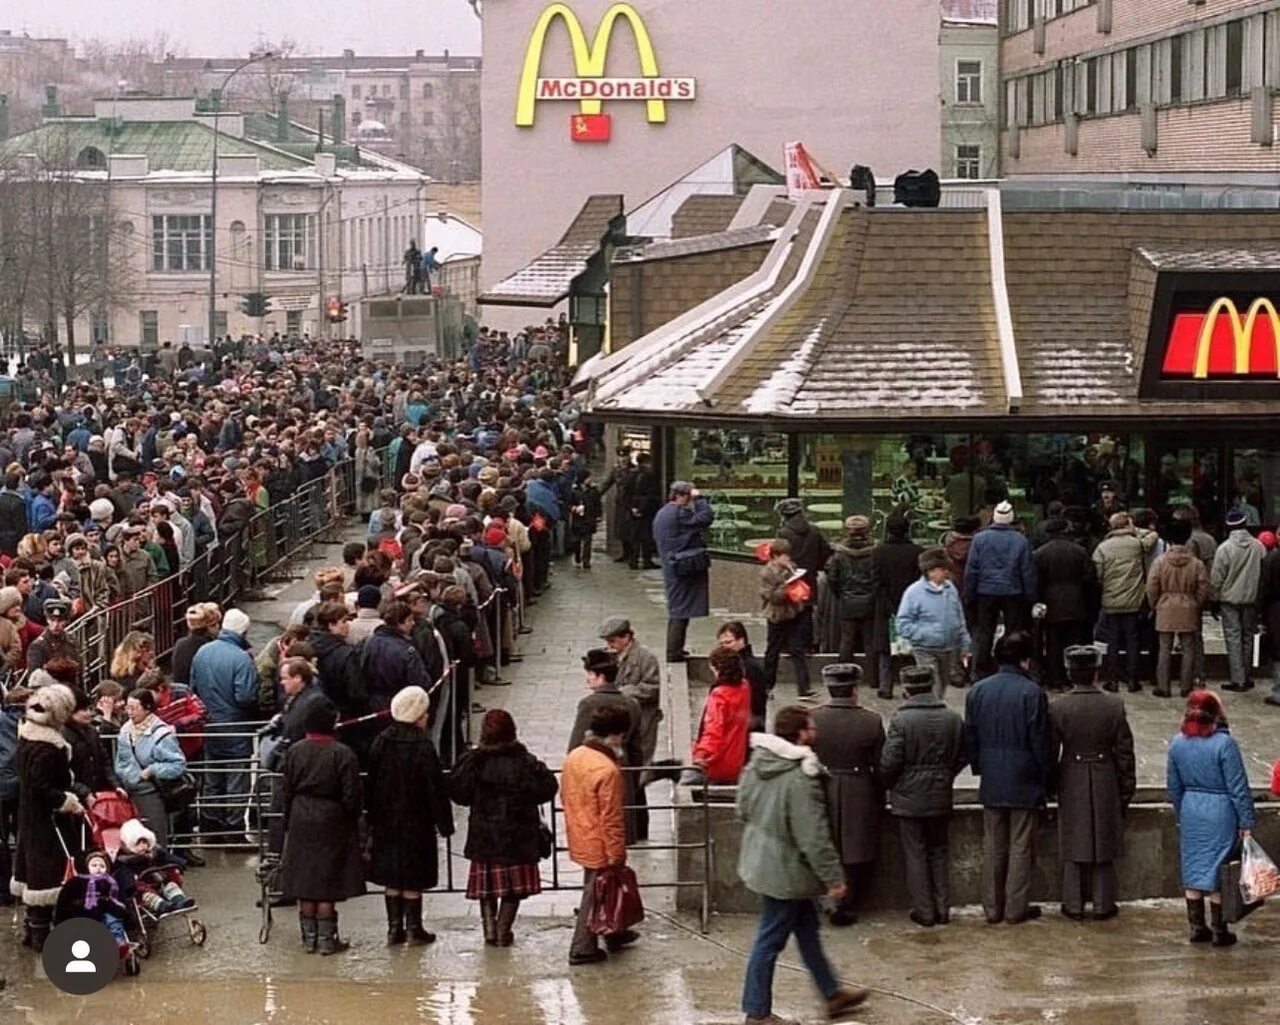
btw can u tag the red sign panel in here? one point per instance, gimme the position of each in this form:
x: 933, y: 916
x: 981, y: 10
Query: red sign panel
x: 1222, y: 343
x: 590, y: 127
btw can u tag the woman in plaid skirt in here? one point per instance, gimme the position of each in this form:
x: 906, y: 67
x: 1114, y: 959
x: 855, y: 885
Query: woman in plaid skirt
x: 503, y: 785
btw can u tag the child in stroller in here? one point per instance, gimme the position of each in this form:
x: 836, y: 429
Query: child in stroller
x: 95, y: 893
x: 155, y: 873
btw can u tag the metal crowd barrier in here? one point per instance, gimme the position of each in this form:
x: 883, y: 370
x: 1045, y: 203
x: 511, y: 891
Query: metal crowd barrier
x: 453, y: 881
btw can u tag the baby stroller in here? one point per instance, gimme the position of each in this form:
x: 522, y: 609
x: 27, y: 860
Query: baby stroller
x: 111, y: 809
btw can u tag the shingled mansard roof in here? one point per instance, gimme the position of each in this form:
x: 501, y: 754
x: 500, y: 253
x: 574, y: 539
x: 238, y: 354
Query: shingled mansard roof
x: 937, y: 314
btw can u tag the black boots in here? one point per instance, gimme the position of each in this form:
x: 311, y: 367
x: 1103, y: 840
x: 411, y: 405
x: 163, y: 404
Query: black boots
x: 1222, y: 936
x: 418, y: 936
x: 327, y: 938
x: 395, y: 920
x: 1195, y: 917
x: 489, y: 920
x: 507, y: 912
x: 310, y: 934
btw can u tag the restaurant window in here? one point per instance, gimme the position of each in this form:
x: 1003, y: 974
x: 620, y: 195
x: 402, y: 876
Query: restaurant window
x: 1255, y: 480
x: 1188, y: 476
x: 969, y: 81
x: 882, y: 475
x: 743, y: 474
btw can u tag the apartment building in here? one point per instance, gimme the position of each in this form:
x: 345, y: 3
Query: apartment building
x: 1097, y: 86
x: 969, y: 79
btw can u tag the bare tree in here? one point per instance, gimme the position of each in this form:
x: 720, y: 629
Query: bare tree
x: 452, y: 152
x: 261, y: 86
x: 60, y: 261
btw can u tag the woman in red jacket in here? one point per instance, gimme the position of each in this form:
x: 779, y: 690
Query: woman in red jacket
x: 720, y: 750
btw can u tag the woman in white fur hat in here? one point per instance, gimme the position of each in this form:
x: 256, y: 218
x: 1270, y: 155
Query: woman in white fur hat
x: 48, y: 807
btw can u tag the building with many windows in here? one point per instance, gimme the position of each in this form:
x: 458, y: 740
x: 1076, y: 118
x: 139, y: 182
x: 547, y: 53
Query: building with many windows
x: 969, y: 54
x: 298, y: 223
x: 1097, y: 86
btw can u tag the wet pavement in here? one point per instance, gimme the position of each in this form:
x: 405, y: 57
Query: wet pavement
x: 1135, y: 970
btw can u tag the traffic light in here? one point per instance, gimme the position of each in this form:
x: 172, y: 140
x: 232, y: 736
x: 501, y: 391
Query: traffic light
x: 336, y: 310
x: 254, y: 305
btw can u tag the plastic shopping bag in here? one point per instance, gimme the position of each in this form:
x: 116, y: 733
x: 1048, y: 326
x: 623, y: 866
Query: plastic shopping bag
x: 617, y: 905
x: 1259, y: 877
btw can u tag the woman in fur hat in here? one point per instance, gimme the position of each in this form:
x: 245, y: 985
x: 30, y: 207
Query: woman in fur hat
x: 48, y: 808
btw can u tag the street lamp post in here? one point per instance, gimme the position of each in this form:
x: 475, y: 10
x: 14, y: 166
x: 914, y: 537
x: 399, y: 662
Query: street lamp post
x: 213, y: 193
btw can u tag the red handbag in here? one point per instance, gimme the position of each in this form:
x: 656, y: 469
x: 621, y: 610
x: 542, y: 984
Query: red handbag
x: 1275, y: 777
x: 616, y: 905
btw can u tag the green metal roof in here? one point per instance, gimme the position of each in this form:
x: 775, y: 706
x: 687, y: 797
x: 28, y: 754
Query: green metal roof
x: 300, y: 140
x: 167, y: 145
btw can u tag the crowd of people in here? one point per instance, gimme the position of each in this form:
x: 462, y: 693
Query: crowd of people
x: 472, y: 478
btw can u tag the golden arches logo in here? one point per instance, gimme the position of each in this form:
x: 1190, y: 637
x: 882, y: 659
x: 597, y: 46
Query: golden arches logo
x: 588, y: 58
x: 1241, y: 332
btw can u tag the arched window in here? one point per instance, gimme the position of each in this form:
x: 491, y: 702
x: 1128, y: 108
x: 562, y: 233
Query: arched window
x: 91, y: 158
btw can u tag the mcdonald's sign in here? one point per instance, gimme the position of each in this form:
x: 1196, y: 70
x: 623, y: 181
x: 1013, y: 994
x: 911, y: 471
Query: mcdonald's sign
x: 1220, y: 344
x: 590, y: 87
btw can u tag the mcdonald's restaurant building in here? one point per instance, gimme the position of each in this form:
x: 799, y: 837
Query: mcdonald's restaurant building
x: 1004, y: 345
x: 670, y: 86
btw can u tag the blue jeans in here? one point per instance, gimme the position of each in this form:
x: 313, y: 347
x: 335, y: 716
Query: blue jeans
x: 778, y: 920
x: 115, y: 926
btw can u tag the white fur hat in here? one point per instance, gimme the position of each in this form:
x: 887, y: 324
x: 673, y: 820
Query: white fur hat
x: 235, y: 621
x: 1003, y: 513
x: 51, y: 705
x: 410, y: 705
x: 132, y: 831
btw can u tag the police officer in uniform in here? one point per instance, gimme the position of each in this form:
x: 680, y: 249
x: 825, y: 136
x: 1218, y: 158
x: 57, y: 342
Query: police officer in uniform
x: 621, y: 477
x: 1096, y: 780
x: 850, y: 739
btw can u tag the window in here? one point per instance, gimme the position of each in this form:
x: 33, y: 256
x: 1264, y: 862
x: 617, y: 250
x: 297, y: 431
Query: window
x: 968, y: 81
x: 428, y: 91
x: 355, y: 117
x: 91, y: 158
x: 1131, y: 79
x: 355, y: 92
x: 293, y: 323
x: 1235, y: 57
x: 1175, y: 69
x: 404, y: 119
x: 1091, y: 85
x: 290, y: 242
x: 428, y: 118
x: 386, y: 89
x: 404, y: 90
x: 149, y: 321
x: 181, y: 242
x: 968, y: 161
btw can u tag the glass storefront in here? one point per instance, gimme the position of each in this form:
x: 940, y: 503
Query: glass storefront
x: 931, y: 479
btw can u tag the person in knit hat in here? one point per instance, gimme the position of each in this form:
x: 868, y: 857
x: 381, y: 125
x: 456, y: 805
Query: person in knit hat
x: 408, y: 807
x: 49, y: 807
x: 931, y: 620
x: 999, y: 583
x: 368, y: 598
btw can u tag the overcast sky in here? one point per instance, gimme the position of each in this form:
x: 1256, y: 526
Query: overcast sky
x: 224, y: 27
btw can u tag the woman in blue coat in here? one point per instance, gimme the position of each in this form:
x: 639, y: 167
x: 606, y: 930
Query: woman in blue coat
x: 1210, y: 794
x: 677, y: 534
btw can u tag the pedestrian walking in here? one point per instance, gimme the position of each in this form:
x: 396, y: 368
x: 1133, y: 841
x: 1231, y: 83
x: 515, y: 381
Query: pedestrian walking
x: 321, y: 864
x: 788, y: 858
x: 786, y: 600
x: 1007, y: 741
x: 1209, y: 790
x: 504, y: 785
x: 923, y: 753
x: 407, y: 805
x: 852, y: 577
x: 1066, y: 585
x: 999, y: 583
x: 1120, y: 560
x: 592, y: 792
x: 1235, y: 576
x: 1178, y: 589
x: 1096, y: 779
x: 686, y: 564
x: 849, y: 742
x: 931, y: 620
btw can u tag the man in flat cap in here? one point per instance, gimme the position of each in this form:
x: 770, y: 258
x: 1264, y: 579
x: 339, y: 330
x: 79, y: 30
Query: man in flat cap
x: 922, y: 756
x: 849, y: 742
x: 601, y: 677
x: 1096, y: 781
x: 639, y: 678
